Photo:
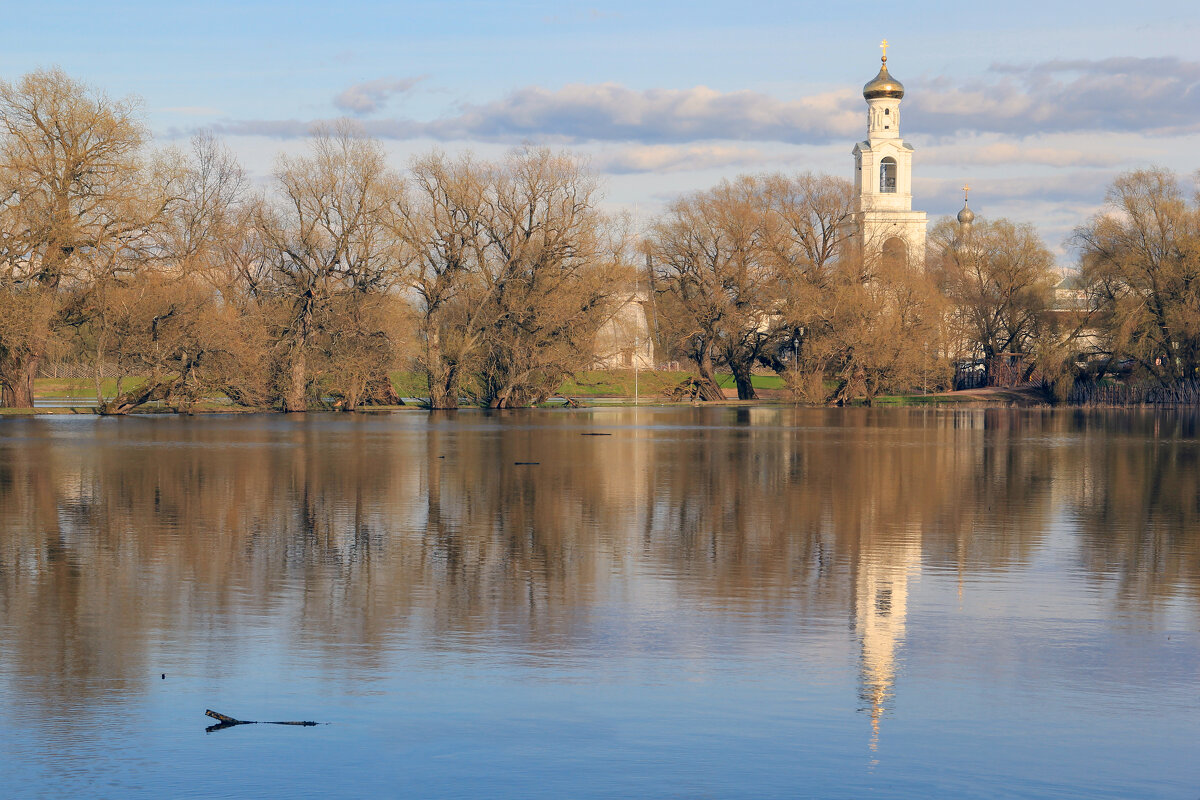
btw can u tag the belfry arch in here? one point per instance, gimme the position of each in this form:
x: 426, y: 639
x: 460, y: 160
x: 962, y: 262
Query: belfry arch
x: 894, y: 252
x: 887, y: 175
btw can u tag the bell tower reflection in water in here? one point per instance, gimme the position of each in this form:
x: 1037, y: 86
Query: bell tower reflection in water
x: 882, y: 571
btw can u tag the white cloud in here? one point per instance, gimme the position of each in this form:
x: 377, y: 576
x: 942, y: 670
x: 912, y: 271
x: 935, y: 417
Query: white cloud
x: 1022, y: 153
x: 664, y: 158
x: 370, y: 96
x: 611, y: 112
x: 1083, y: 186
x: 1155, y: 96
x: 603, y: 112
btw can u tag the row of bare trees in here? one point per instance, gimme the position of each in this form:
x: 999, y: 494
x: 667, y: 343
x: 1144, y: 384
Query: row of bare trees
x: 1131, y: 311
x: 172, y: 267
x: 491, y: 280
x: 770, y: 272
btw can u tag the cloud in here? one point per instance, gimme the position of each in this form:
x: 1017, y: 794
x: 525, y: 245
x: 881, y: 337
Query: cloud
x: 611, y: 112
x: 1013, y: 153
x: 663, y: 158
x: 1139, y: 97
x: 603, y: 112
x: 1056, y: 204
x: 1155, y: 96
x: 370, y: 96
x: 1083, y: 187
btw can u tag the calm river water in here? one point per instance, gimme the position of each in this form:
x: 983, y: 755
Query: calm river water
x: 700, y: 603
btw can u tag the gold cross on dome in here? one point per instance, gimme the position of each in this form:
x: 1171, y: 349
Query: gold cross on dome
x: 966, y: 193
x: 883, y: 46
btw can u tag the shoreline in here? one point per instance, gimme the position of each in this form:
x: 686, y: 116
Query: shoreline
x: 969, y: 399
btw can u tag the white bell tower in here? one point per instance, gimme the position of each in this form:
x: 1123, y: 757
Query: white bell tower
x: 883, y: 215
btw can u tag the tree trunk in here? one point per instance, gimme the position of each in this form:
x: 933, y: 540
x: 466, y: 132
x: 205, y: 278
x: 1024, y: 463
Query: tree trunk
x: 442, y: 377
x: 745, y: 384
x: 152, y: 389
x: 97, y: 376
x: 379, y: 391
x: 295, y: 396
x: 349, y: 401
x: 443, y: 393
x: 17, y: 389
x: 709, y: 388
x: 295, y: 399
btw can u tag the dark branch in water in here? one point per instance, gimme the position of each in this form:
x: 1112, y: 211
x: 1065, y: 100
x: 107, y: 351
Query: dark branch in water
x: 224, y: 722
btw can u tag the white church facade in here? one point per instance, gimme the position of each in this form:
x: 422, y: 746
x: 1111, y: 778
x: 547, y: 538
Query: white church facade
x: 884, y: 223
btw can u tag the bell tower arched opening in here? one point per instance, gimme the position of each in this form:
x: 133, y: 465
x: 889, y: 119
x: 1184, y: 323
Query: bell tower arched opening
x: 887, y: 175
x: 895, y: 252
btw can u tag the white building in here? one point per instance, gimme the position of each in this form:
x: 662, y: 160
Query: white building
x: 625, y: 341
x: 885, y: 224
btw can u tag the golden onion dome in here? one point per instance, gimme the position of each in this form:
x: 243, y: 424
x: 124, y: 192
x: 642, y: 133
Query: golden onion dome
x: 966, y: 216
x: 883, y: 85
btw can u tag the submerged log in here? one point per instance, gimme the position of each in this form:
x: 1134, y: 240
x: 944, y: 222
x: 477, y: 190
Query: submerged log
x: 224, y: 721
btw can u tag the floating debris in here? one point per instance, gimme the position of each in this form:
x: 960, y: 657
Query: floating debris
x: 224, y: 721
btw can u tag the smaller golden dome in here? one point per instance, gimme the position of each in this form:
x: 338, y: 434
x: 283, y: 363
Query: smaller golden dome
x: 966, y: 216
x: 883, y: 85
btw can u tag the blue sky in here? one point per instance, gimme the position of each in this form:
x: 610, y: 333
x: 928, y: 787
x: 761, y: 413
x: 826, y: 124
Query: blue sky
x: 1035, y: 104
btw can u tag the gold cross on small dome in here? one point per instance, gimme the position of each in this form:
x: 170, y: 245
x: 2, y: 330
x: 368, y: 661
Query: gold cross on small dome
x: 966, y: 193
x: 883, y: 46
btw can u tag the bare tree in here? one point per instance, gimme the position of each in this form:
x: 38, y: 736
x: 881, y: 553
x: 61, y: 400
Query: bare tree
x: 1141, y: 259
x: 719, y: 284
x: 178, y: 321
x: 999, y: 278
x: 180, y: 345
x: 75, y: 206
x: 811, y: 215
x: 331, y: 232
x: 442, y: 224
x: 358, y: 344
x: 549, y: 281
x: 211, y: 218
x: 809, y: 229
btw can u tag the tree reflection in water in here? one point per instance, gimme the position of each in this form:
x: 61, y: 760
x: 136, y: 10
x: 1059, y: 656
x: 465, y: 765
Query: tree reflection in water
x: 348, y: 532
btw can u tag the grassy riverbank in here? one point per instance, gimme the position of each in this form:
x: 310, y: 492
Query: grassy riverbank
x: 78, y: 395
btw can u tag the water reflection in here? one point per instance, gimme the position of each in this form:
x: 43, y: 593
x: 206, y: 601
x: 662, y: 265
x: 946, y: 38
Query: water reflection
x: 353, y: 536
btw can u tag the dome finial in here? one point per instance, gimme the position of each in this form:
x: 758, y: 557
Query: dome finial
x: 966, y: 216
x: 883, y: 84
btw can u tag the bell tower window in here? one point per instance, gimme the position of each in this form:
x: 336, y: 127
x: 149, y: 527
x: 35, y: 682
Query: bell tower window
x: 887, y: 175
